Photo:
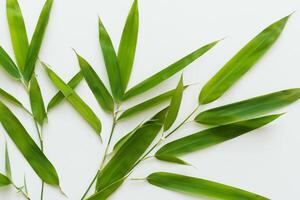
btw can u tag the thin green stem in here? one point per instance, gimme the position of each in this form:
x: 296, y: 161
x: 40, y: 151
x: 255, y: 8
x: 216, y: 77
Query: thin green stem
x: 20, y: 190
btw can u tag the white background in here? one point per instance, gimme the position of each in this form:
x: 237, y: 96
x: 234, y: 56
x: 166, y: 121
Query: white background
x: 265, y: 161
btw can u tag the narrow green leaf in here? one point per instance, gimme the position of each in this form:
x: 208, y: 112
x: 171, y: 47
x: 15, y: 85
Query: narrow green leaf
x: 82, y: 108
x: 36, y: 41
x: 167, y: 72
x: 104, y: 193
x: 99, y: 90
x: 4, y: 180
x: 243, y: 61
x: 127, y: 47
x: 8, y: 64
x: 18, y: 32
x: 124, y: 159
x: 248, y: 108
x: 212, y: 136
x: 37, y: 102
x: 171, y: 159
x: 35, y: 157
x: 7, y: 162
x: 10, y: 98
x: 174, y: 105
x: 111, y: 63
x: 59, y: 97
x: 200, y: 187
x: 25, y: 185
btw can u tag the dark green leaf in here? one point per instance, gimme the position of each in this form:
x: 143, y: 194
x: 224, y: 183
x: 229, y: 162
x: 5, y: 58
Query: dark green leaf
x: 82, y: 108
x: 4, y: 181
x: 128, y: 154
x: 212, y: 136
x: 241, y: 62
x: 35, y: 157
x: 17, y: 30
x: 248, y: 108
x: 167, y: 72
x: 127, y: 45
x: 174, y: 105
x: 10, y: 98
x: 36, y: 41
x: 7, y: 162
x: 96, y: 85
x: 8, y: 64
x: 58, y: 97
x: 200, y: 187
x: 37, y: 102
x: 111, y: 63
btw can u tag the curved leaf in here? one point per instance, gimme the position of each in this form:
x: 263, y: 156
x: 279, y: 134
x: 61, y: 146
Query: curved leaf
x: 58, y: 97
x: 111, y: 63
x: 8, y: 64
x: 10, y: 98
x: 174, y: 105
x: 167, y: 72
x: 37, y: 102
x: 82, y: 108
x: 241, y: 62
x: 36, y: 41
x: 127, y: 45
x: 4, y: 180
x: 17, y: 30
x: 212, y: 136
x: 248, y: 108
x: 96, y: 85
x: 200, y: 187
x: 34, y: 156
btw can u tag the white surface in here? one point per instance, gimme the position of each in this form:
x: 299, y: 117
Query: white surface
x: 265, y: 161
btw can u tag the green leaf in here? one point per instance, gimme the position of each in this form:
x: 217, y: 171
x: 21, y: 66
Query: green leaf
x: 96, y: 85
x: 171, y: 159
x: 150, y: 103
x: 212, y: 136
x: 4, y: 180
x: 104, y: 193
x: 243, y: 61
x: 34, y: 156
x: 111, y: 63
x: 59, y: 97
x: 7, y: 162
x: 10, y: 98
x: 82, y: 108
x: 174, y: 105
x: 17, y: 30
x: 125, y: 158
x: 36, y: 41
x: 8, y: 64
x: 200, y: 187
x: 167, y: 72
x: 127, y: 47
x: 248, y: 108
x: 25, y: 185
x: 37, y: 102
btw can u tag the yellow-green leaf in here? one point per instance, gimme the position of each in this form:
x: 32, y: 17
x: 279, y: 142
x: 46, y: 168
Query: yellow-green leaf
x: 8, y: 64
x: 5, y: 95
x: 4, y: 180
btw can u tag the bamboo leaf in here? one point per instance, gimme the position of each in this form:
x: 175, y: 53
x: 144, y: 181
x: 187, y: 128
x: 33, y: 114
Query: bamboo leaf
x: 111, y: 63
x: 8, y: 64
x: 243, y: 61
x: 174, y: 105
x: 200, y: 187
x: 248, y: 108
x: 171, y: 159
x: 34, y: 156
x: 17, y: 30
x: 58, y: 97
x: 167, y: 72
x: 7, y: 162
x: 124, y: 159
x: 10, y: 98
x: 127, y: 47
x: 104, y: 193
x: 25, y: 185
x: 96, y: 85
x: 36, y: 41
x: 37, y: 102
x: 4, y: 180
x: 212, y: 136
x: 82, y: 108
